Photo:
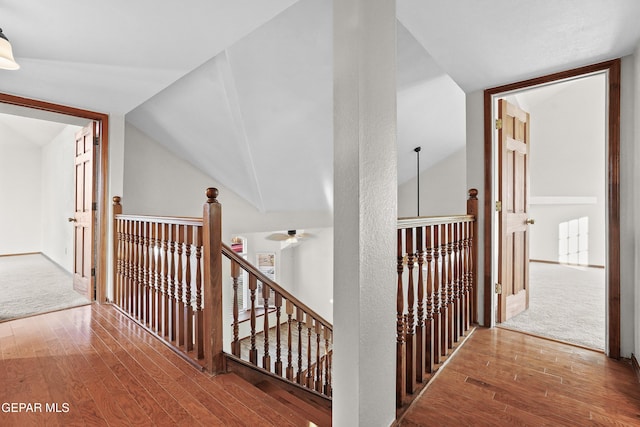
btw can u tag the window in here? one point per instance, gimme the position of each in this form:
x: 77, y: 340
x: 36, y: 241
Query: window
x: 573, y: 241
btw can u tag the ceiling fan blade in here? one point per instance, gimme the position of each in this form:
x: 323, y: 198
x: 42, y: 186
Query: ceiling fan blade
x: 304, y: 235
x: 278, y: 237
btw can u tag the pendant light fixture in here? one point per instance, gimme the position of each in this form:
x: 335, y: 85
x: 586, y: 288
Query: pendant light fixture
x: 6, y: 54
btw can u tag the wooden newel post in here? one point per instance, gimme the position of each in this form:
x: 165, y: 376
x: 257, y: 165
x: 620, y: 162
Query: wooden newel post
x: 117, y: 266
x: 212, y: 230
x: 472, y: 209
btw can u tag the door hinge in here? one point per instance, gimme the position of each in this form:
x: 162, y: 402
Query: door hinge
x: 94, y: 206
x: 498, y: 288
x: 498, y: 206
x: 93, y: 272
x: 498, y: 123
x: 96, y: 140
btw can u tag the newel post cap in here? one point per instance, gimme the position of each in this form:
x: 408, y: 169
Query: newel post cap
x: 473, y: 193
x: 116, y: 200
x: 212, y: 194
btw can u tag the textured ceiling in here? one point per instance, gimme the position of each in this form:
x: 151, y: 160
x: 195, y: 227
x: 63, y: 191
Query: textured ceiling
x: 243, y: 89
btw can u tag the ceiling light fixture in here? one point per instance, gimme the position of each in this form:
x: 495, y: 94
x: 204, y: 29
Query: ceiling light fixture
x: 6, y: 54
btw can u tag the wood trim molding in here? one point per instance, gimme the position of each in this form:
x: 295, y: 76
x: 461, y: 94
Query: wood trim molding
x: 636, y: 366
x: 613, y: 187
x: 546, y: 261
x: 101, y: 172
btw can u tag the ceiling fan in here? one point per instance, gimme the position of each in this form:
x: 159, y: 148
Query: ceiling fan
x: 291, y: 236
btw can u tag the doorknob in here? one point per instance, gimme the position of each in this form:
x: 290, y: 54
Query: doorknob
x: 530, y: 221
x: 72, y: 220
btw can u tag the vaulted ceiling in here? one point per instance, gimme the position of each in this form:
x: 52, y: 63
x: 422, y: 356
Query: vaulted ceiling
x: 243, y: 89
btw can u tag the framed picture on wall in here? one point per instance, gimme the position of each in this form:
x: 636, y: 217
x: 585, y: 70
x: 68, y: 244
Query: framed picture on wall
x: 267, y: 264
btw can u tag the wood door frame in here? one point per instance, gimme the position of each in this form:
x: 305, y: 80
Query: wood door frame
x: 612, y: 68
x: 100, y: 173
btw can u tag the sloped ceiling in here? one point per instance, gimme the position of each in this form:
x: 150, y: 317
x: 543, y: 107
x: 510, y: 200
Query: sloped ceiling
x: 243, y: 89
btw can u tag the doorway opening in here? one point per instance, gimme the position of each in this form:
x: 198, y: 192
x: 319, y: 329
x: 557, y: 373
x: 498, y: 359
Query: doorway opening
x: 63, y: 222
x: 577, y: 229
x: 567, y: 204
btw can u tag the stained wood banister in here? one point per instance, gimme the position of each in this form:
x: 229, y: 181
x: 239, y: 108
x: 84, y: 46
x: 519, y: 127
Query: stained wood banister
x: 168, y: 278
x: 247, y: 266
x: 174, y: 220
x: 298, y: 337
x: 411, y: 222
x: 436, y: 297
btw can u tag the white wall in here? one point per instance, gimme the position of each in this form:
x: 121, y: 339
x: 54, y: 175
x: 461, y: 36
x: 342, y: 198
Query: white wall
x: 443, y: 189
x: 475, y: 179
x: 567, y: 160
x: 20, y: 198
x: 58, y: 197
x: 312, y: 265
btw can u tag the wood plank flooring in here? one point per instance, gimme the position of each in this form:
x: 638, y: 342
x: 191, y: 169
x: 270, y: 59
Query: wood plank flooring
x: 505, y: 378
x: 92, y: 365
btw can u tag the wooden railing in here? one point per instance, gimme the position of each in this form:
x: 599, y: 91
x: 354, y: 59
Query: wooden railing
x: 168, y: 278
x: 295, y: 344
x: 436, y: 296
x: 164, y: 280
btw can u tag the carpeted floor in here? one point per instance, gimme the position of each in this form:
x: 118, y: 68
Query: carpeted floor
x: 32, y: 284
x: 565, y: 303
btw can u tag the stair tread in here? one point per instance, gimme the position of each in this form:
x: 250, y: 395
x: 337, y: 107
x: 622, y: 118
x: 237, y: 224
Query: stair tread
x: 318, y: 415
x: 269, y: 407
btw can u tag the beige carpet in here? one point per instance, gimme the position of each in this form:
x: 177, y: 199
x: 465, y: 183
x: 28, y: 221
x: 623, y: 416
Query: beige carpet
x: 565, y: 303
x: 32, y: 284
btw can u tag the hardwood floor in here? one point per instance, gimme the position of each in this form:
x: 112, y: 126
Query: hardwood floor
x: 95, y: 366
x: 504, y: 378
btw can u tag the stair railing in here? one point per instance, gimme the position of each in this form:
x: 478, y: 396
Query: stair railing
x: 436, y: 295
x: 293, y: 342
x: 166, y: 277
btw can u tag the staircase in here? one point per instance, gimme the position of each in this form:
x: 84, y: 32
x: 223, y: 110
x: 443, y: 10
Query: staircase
x: 168, y: 277
x: 271, y: 404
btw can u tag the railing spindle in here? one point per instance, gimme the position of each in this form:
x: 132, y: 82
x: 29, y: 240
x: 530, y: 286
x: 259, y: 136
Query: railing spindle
x: 199, y: 316
x: 437, y: 315
x: 179, y: 302
x: 410, y: 341
x: 318, y: 379
x: 289, y: 311
x: 401, y: 385
x: 420, y: 339
x: 166, y: 286
x: 444, y: 296
x: 235, y: 274
x: 450, y: 294
x: 299, y: 320
x: 266, y: 358
x: 278, y: 304
x: 429, y: 321
x: 327, y: 365
x: 253, y: 353
x: 309, y: 377
x: 188, y: 309
x: 172, y: 284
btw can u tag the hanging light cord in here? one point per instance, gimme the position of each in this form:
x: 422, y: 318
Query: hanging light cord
x: 417, y: 150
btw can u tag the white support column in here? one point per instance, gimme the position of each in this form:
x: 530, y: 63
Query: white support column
x: 365, y: 212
